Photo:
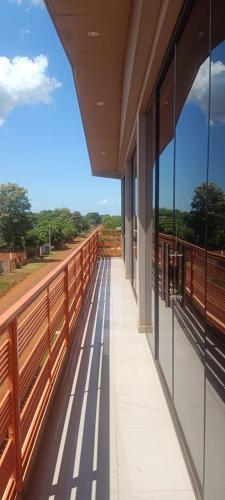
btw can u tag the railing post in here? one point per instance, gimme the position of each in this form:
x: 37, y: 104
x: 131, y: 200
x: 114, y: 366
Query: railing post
x: 15, y: 430
x: 82, y: 273
x: 96, y: 246
x: 75, y: 282
x: 191, y: 277
x: 89, y: 260
x: 66, y: 295
x: 49, y: 335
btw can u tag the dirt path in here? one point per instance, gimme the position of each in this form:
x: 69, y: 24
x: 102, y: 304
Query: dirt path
x: 19, y: 289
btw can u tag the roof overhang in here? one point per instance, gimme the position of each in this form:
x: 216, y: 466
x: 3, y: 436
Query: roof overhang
x: 118, y: 67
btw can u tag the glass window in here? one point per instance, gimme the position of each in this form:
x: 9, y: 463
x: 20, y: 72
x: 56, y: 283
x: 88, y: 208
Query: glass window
x: 152, y: 176
x: 134, y: 194
x: 192, y: 75
x: 166, y: 223
x: 215, y: 292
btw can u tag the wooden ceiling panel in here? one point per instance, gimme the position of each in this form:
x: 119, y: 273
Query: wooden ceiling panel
x: 97, y: 64
x: 118, y: 67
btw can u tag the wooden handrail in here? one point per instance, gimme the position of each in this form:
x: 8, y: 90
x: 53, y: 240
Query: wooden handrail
x: 29, y: 297
x: 35, y: 335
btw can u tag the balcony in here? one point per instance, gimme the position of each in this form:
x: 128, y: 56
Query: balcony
x: 82, y: 412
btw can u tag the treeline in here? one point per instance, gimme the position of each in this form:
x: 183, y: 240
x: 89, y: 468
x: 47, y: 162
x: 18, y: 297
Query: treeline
x: 20, y: 227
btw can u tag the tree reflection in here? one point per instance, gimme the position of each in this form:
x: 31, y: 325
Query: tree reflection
x: 190, y: 226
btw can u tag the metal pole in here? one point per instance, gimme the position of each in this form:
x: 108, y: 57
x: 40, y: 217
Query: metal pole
x: 49, y: 238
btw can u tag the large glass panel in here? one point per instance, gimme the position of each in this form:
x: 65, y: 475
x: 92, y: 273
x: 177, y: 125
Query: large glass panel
x: 215, y: 296
x: 166, y: 223
x: 134, y: 194
x: 192, y: 103
x: 151, y: 170
x: 123, y: 217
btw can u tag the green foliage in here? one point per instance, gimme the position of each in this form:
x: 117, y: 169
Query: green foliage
x: 93, y: 219
x: 80, y: 223
x: 111, y: 221
x: 15, y: 216
x: 19, y: 226
x: 212, y: 199
x: 190, y: 226
x: 59, y: 223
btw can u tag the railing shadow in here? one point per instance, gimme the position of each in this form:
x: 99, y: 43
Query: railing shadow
x: 73, y: 457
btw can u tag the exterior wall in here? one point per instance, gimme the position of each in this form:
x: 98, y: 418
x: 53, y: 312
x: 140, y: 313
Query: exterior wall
x: 10, y: 260
x: 5, y: 266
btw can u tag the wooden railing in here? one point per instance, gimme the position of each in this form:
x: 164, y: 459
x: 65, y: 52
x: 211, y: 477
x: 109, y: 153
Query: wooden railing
x: 191, y: 276
x: 109, y: 244
x: 35, y: 335
x: 198, y: 277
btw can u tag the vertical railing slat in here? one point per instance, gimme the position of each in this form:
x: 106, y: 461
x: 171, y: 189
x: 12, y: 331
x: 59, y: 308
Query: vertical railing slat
x: 15, y: 429
x: 66, y: 302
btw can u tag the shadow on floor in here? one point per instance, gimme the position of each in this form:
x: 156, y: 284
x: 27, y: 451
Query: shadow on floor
x: 73, y: 458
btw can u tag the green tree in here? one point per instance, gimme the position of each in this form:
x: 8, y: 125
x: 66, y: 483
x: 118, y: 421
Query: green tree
x: 80, y: 223
x: 166, y: 221
x: 212, y: 198
x: 111, y: 221
x: 60, y: 224
x: 15, y: 215
x: 93, y: 219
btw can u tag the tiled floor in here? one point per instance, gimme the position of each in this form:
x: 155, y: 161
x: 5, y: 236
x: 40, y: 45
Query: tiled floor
x: 109, y: 435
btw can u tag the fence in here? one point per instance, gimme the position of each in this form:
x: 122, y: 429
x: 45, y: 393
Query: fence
x: 34, y: 337
x: 109, y: 244
x: 18, y: 257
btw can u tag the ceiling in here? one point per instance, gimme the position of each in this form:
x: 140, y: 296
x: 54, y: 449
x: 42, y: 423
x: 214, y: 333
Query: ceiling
x: 97, y: 63
x: 113, y: 67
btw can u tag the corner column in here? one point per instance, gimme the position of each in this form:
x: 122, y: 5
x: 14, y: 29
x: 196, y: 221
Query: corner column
x: 144, y: 230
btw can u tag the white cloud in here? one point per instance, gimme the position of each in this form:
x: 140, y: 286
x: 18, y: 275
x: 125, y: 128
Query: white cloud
x: 200, y: 90
x: 32, y: 2
x: 24, y: 81
x: 37, y: 2
x: 103, y: 202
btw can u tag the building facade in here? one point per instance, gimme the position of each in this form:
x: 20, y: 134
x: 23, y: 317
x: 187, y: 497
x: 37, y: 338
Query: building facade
x: 163, y: 134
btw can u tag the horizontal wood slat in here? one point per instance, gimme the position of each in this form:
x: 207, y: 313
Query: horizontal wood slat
x: 34, y: 338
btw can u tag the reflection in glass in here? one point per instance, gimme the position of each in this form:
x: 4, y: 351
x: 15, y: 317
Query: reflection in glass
x: 166, y: 224
x: 190, y: 227
x: 134, y: 194
x: 151, y: 167
x: 215, y: 291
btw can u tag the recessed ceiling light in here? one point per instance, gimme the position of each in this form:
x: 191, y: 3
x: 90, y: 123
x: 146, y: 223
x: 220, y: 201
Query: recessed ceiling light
x: 93, y: 34
x: 103, y: 153
x: 100, y: 103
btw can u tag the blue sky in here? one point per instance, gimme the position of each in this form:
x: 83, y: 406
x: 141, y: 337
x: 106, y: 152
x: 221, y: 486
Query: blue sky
x: 42, y: 143
x: 192, y: 137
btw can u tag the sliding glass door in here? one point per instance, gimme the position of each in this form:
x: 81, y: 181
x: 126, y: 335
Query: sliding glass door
x: 166, y: 223
x: 134, y: 220
x: 189, y: 263
x: 215, y: 284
